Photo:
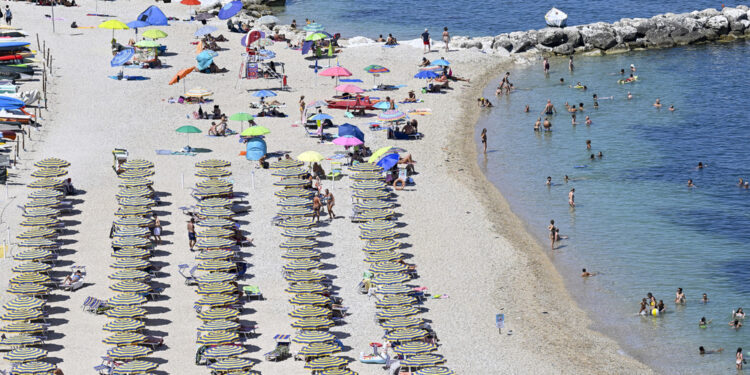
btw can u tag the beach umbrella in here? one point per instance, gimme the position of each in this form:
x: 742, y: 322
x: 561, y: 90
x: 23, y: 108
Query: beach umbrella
x: 130, y: 263
x: 349, y: 88
x: 422, y: 360
x: 388, y: 161
x: 181, y: 75
x: 52, y: 163
x: 214, y: 163
x: 131, y: 252
x: 231, y: 364
x: 128, y: 353
x: 373, y: 204
x: 362, y: 176
x: 137, y: 202
x: 218, y: 314
x: 214, y: 182
x: 131, y: 231
x: 289, y: 172
x: 27, y: 267
x: 218, y: 338
x: 219, y: 325
x: 395, y: 300
x: 134, y: 182
x: 302, y: 265
x: 223, y: 351
x: 389, y: 278
x: 397, y: 312
x: 267, y: 20
x: 426, y: 74
x: 125, y: 312
x: 298, y: 243
x: 129, y: 286
x: 310, y: 156
x: 216, y: 288
x: 255, y: 131
x: 33, y: 368
x: 212, y: 192
x: 319, y: 349
x: 372, y: 214
x: 49, y: 172
x: 215, y: 223
x: 335, y: 71
x: 326, y: 363
x: 377, y: 225
x: 27, y: 289
x: 125, y: 338
x: 128, y: 274
x: 435, y: 370
x: 440, y: 62
x: 241, y: 116
x: 216, y: 232
x: 33, y: 255
x: 40, y: 212
x: 264, y: 94
x: 45, y: 194
x: 411, y: 347
x: 376, y: 69
x: 42, y: 202
x: 190, y: 2
x: 295, y: 212
x: 216, y: 277
x: 309, y: 299
x: 383, y: 256
x: 291, y: 182
x: 216, y: 265
x: 347, y: 141
x: 313, y: 27
x: 113, y: 25
x: 199, y: 92
x: 126, y: 299
x: 294, y: 202
x: 45, y: 183
x: 310, y: 312
x: 210, y: 243
x: 306, y: 288
x: 133, y: 211
x: 204, y: 59
x: 131, y: 242
x: 20, y: 340
x: 31, y: 278
x: 313, y: 323
x: 378, y: 235
x: 286, y: 163
x: 137, y: 163
x: 310, y: 337
x: 187, y: 130
x: 212, y: 173
x: 304, y: 276
x: 393, y: 288
x: 299, y: 233
x: 205, y: 30
x: 216, y: 300
x: 366, y: 167
x: 124, y: 325
x: 215, y: 255
x: 21, y: 315
x: 391, y: 115
x: 339, y: 371
x: 154, y: 34
x: 24, y: 303
x: 295, y: 192
x: 35, y: 243
x: 147, y: 44
x: 406, y: 334
x: 297, y: 222
x: 136, y: 173
x: 22, y: 327
x: 21, y: 355
x: 230, y: 9
x: 314, y: 37
x: 301, y: 254
x: 135, y: 367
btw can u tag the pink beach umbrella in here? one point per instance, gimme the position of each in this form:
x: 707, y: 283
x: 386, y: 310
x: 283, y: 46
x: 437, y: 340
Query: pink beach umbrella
x: 336, y: 71
x: 347, y: 141
x: 350, y: 89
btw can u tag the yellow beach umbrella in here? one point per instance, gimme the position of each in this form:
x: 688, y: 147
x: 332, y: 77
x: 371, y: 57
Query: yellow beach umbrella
x: 113, y: 25
x: 310, y: 156
x: 378, y: 153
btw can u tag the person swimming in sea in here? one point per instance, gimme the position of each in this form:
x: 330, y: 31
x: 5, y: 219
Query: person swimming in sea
x: 596, y: 101
x: 679, y: 296
x: 585, y: 273
x: 547, y: 125
x: 690, y: 183
x: 742, y: 182
x: 703, y: 323
x: 700, y: 165
x: 549, y: 181
x: 592, y: 157
x: 630, y: 96
x: 643, y: 310
x: 632, y: 68
x: 572, y: 109
x: 566, y: 178
x: 580, y: 107
x: 705, y: 298
x: 573, y: 119
x: 526, y: 109
x: 562, y: 81
x: 739, y: 314
x: 703, y: 351
x: 671, y: 108
x: 588, y: 144
x: 661, y: 307
x: 588, y: 120
x: 657, y: 103
x: 735, y: 324
x: 600, y: 155
x: 651, y: 299
x: 549, y: 108
x: 622, y: 72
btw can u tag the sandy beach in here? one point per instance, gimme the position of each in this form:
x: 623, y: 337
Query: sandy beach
x: 461, y: 234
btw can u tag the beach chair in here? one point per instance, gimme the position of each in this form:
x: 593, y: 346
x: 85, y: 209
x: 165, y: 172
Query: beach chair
x: 247, y: 332
x: 154, y: 341
x: 72, y: 287
x: 90, y: 304
x: 189, y: 278
x: 155, y: 292
x: 252, y: 291
x: 336, y: 171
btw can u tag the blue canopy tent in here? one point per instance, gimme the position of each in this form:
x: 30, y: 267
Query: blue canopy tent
x: 153, y: 16
x: 349, y: 129
x: 205, y: 59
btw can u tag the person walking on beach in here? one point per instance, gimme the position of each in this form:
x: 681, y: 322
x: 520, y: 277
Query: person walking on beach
x: 426, y: 40
x: 8, y: 15
x: 330, y: 202
x: 553, y: 234
x: 316, y: 208
x: 484, y: 139
x: 739, y: 359
x: 157, y: 230
x: 191, y: 232
x: 572, y: 198
x: 446, y: 38
x: 302, y: 109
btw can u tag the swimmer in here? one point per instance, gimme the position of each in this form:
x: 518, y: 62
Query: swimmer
x: 661, y: 307
x: 547, y: 125
x: 553, y: 233
x: 705, y: 298
x: 739, y: 314
x: 622, y: 72
x: 600, y: 155
x: 735, y: 324
x: 570, y: 63
x: 585, y: 88
x: 566, y: 179
x: 537, y: 124
x: 701, y: 165
x: 592, y: 157
x: 671, y: 108
x: 588, y: 120
x: 572, y: 109
x: 690, y: 183
x: 572, y: 198
x: 549, y: 109
x: 585, y: 273
x: 596, y: 101
x: 562, y: 81
x: 739, y: 359
x: 747, y: 185
x: 545, y: 65
x: 549, y: 181
x: 702, y: 351
x: 742, y: 182
x: 567, y: 106
x: 651, y: 299
x: 630, y: 96
x: 657, y: 103
x: 588, y: 144
x: 580, y: 107
x: 632, y: 68
x: 703, y: 323
x: 643, y: 310
x: 679, y: 296
x: 527, y: 109
x: 573, y: 119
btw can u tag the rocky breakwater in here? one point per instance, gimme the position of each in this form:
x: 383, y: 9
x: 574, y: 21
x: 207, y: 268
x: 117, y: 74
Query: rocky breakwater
x: 660, y: 31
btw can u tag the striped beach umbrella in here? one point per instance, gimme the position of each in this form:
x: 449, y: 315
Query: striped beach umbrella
x: 310, y: 312
x: 20, y: 340
x: 134, y: 192
x: 125, y: 312
x: 131, y: 232
x: 130, y: 264
x: 213, y: 163
x: 125, y: 338
x: 129, y: 274
x: 132, y: 221
x: 129, y: 352
x: 52, y: 163
x: 395, y: 300
x: 41, y: 212
x: 319, y: 349
x: 219, y: 325
x: 369, y: 185
x: 217, y: 300
x: 135, y: 367
x: 215, y: 232
x: 131, y: 242
x: 41, y: 203
x: 203, y: 193
x: 37, y: 243
x: 302, y: 265
x: 289, y: 172
x: 391, y: 115
x: 21, y: 355
x: 131, y: 252
x: 435, y: 370
x: 27, y: 267
x: 423, y: 360
x: 218, y: 314
x: 388, y: 267
x: 367, y: 176
x: 306, y: 288
x: 129, y: 286
x: 291, y: 182
x: 216, y: 277
x: 214, y: 183
x: 309, y: 299
x: 295, y: 202
x: 215, y: 203
x: 216, y: 288
x: 231, y: 364
x: 29, y: 278
x: 212, y: 173
x: 297, y: 222
x: 37, y: 233
x: 289, y: 212
x: 217, y: 265
x: 339, y: 371
x: 126, y: 299
x: 27, y: 289
x: 45, y: 193
x: 301, y: 254
x: 373, y: 204
x: 378, y: 225
x: 383, y: 256
x: 313, y: 323
x: 371, y: 194
x: 41, y: 222
x: 22, y: 327
x: 366, y: 167
x: 134, y: 182
x: 384, y: 245
x: 371, y: 235
x: 45, y: 183
x: 137, y: 202
x: 310, y: 337
x: 33, y: 255
x: 124, y: 325
x: 286, y: 163
x: 219, y: 212
x: 34, y: 368
x: 406, y: 334
x: 136, y: 173
x: 215, y: 255
x: 304, y: 277
x: 299, y: 233
x: 393, y: 289
x: 49, y: 173
x: 134, y: 211
x: 215, y: 223
x: 414, y: 347
x: 295, y: 192
x: 223, y: 351
x: 374, y: 215
x: 389, y: 278
x: 218, y: 338
x: 24, y: 303
x: 137, y: 164
x: 326, y: 363
x: 298, y: 243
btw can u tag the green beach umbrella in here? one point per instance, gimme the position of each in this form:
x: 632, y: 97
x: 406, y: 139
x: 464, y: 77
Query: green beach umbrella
x: 213, y: 163
x: 286, y: 163
x: 52, y: 163
x: 131, y: 232
x: 371, y: 194
x: 218, y: 314
x: 395, y: 300
x: 423, y: 360
x: 310, y: 337
x: 130, y: 264
x: 255, y: 131
x: 131, y: 252
x: 22, y: 327
x: 31, y: 278
x: 370, y: 235
x: 411, y: 347
x: 20, y: 340
x: 211, y: 243
x: 45, y: 183
x: 129, y: 286
x: 214, y: 183
x: 215, y: 202
x: 435, y: 370
x: 301, y: 254
x: 21, y: 355
x: 313, y: 27
x: 223, y: 351
x: 49, y: 172
x: 294, y: 192
x: 125, y: 312
x: 297, y: 222
x: 216, y: 265
x: 45, y: 193
x: 216, y: 300
x: 187, y: 130
x: 131, y: 242
x: 304, y: 277
x: 135, y: 192
x: 215, y: 255
x: 33, y: 255
x: 126, y: 299
x: 241, y: 117
x: 366, y: 167
x: 31, y: 267
x: 125, y: 338
x: 389, y: 278
x: 216, y: 277
x: 154, y: 34
x: 129, y: 274
x: 289, y: 212
x: 326, y: 363
x: 40, y: 222
x: 219, y: 325
x: 218, y: 338
x: 313, y: 323
x: 384, y: 245
x: 406, y: 334
x: 24, y: 303
x: 289, y: 172
x: 309, y: 299
x: 216, y: 288
x: 37, y: 233
x: 136, y: 173
x: 299, y: 233
x: 135, y: 367
x: 124, y: 325
x: 137, y: 164
x: 231, y: 364
x: 397, y: 312
x: 302, y: 265
x: 128, y: 353
x: 298, y: 243
x: 147, y: 44
x: 319, y: 349
x: 33, y: 368
x: 212, y: 173
x: 215, y: 223
x: 310, y: 312
x: 291, y: 182
x: 315, y: 37
x: 134, y: 182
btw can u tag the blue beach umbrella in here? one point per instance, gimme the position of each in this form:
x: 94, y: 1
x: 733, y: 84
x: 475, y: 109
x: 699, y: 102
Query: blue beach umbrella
x: 349, y: 129
x: 426, y: 74
x: 440, y: 62
x: 383, y: 105
x: 205, y: 30
x: 137, y: 23
x: 7, y: 102
x: 230, y: 9
x: 264, y: 94
x: 388, y: 161
x: 321, y: 117
x: 313, y: 27
x: 205, y: 59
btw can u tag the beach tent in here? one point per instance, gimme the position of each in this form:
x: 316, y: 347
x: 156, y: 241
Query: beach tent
x: 256, y: 148
x: 205, y: 59
x: 153, y: 16
x: 349, y: 129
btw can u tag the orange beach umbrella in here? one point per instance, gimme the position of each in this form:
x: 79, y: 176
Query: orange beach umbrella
x: 181, y: 76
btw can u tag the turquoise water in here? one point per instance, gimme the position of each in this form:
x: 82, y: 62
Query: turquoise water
x: 635, y: 220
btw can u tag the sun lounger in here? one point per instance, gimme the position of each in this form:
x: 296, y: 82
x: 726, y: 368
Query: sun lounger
x: 247, y: 331
x: 252, y: 291
x: 155, y: 292
x: 189, y: 278
x: 90, y: 304
x: 154, y: 341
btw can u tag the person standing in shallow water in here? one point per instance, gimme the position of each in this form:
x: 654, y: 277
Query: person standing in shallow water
x: 572, y: 198
x: 553, y: 233
x: 484, y: 139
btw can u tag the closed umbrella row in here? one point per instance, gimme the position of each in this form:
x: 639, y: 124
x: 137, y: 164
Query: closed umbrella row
x: 135, y: 231
x: 219, y: 301
x: 23, y: 317
x: 412, y: 340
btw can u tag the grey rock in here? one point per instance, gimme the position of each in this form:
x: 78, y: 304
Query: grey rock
x: 690, y: 37
x: 573, y: 36
x: 642, y: 25
x: 709, y: 12
x: 625, y: 33
x: 743, y: 7
x: 734, y: 14
x: 502, y: 41
x: 598, y: 36
x: 256, y: 14
x: 720, y: 24
x: 550, y: 37
x: 737, y: 27
x: 659, y: 38
x: 564, y: 49
x: 638, y: 43
x: 521, y: 41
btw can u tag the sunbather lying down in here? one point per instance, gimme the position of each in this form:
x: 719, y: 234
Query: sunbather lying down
x: 213, y: 68
x: 72, y: 278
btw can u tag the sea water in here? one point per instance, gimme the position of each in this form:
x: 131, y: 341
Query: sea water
x: 636, y: 221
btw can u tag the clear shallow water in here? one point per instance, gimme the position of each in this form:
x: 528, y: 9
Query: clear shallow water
x: 635, y: 220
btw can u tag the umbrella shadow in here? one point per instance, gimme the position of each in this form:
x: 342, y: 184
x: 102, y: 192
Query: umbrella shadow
x: 200, y: 150
x: 157, y: 322
x: 253, y: 349
x: 157, y: 309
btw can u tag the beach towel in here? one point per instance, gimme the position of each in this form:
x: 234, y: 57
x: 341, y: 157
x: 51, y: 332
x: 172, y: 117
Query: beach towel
x: 129, y: 78
x: 389, y: 45
x: 418, y: 101
x: 349, y: 80
x: 170, y: 152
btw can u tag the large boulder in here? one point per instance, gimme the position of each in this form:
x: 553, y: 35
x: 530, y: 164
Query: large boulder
x: 736, y: 27
x: 642, y: 25
x: 683, y: 36
x: 598, y: 35
x: 709, y: 12
x: 719, y: 23
x: 734, y: 14
x: 521, y: 41
x: 625, y: 33
x: 573, y: 36
x: 551, y: 37
x: 564, y: 49
x: 502, y: 41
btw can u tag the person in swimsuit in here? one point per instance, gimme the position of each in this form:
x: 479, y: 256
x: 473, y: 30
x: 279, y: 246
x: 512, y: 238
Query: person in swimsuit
x: 657, y: 103
x: 703, y: 323
x: 191, y: 232
x: 484, y: 139
x: 526, y: 110
x: 690, y: 183
x: 588, y: 144
x: 705, y: 298
x: 588, y: 120
x: 156, y: 231
x: 331, y: 201
x: 585, y: 273
x: 549, y: 181
x: 547, y: 125
x: 538, y: 123
x: 316, y: 208
x: 302, y: 108
x: 679, y: 296
x: 671, y: 108
x: 549, y: 109
x: 573, y: 119
x: 552, y: 233
x: 446, y: 37
x: 661, y: 307
x: 630, y: 96
x: 735, y: 324
x: 643, y: 310
x: 739, y: 314
x: 570, y: 63
x: 545, y: 65
x: 572, y: 198
x: 739, y: 359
